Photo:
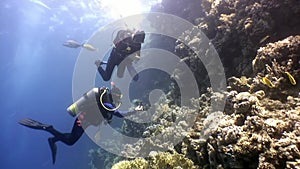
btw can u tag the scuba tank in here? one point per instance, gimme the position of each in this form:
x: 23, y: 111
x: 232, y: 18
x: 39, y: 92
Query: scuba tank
x: 84, y: 103
x: 92, y: 102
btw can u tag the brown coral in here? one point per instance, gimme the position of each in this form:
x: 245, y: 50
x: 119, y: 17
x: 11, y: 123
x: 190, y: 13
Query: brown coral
x: 273, y: 61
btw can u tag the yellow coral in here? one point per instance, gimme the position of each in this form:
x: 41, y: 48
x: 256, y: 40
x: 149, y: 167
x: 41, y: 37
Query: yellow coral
x: 244, y: 80
x: 291, y: 78
x: 138, y: 163
x: 267, y: 82
x: 158, y: 161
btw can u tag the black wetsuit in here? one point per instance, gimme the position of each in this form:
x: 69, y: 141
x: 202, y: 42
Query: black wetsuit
x: 77, y: 130
x: 67, y: 138
x: 120, y: 51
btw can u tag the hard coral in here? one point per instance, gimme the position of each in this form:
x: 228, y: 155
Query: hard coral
x: 279, y: 64
x: 158, y: 161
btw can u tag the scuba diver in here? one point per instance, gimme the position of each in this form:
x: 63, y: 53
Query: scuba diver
x: 95, y: 107
x: 75, y: 44
x: 126, y: 43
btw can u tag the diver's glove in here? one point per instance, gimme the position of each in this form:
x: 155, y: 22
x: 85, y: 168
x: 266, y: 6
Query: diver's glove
x: 137, y: 109
x: 97, y: 63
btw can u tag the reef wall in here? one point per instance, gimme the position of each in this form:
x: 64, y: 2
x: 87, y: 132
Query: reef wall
x: 237, y: 28
x: 258, y: 42
x: 257, y: 130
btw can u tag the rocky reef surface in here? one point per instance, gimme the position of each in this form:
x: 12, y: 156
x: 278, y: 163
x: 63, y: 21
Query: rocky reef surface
x: 257, y: 130
x: 259, y: 44
x: 237, y: 28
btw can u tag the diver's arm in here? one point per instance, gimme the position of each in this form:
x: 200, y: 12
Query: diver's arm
x: 122, y: 114
x: 117, y: 113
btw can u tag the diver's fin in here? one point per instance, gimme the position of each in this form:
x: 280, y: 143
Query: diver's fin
x: 34, y: 124
x: 53, y: 148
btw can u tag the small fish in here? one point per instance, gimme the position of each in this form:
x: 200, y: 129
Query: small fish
x: 291, y: 78
x: 72, y: 44
x: 267, y: 82
x: 76, y: 44
x: 89, y: 47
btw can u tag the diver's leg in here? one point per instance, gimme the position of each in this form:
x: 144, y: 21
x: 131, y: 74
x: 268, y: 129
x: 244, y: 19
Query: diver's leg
x: 111, y: 63
x: 76, y: 133
x: 67, y: 138
x: 41, y: 126
x: 133, y: 73
x: 52, y: 140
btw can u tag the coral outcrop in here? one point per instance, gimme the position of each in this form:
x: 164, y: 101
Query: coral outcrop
x: 260, y: 126
x: 158, y: 161
x: 279, y: 62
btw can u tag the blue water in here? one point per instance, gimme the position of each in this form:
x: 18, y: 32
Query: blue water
x: 36, y: 79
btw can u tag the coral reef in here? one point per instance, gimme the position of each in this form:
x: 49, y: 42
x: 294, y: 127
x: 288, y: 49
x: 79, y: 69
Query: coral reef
x: 260, y: 125
x: 188, y: 9
x: 256, y: 130
x: 279, y: 62
x: 238, y: 28
x: 157, y: 161
x: 257, y: 137
x: 101, y: 159
x: 168, y: 125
